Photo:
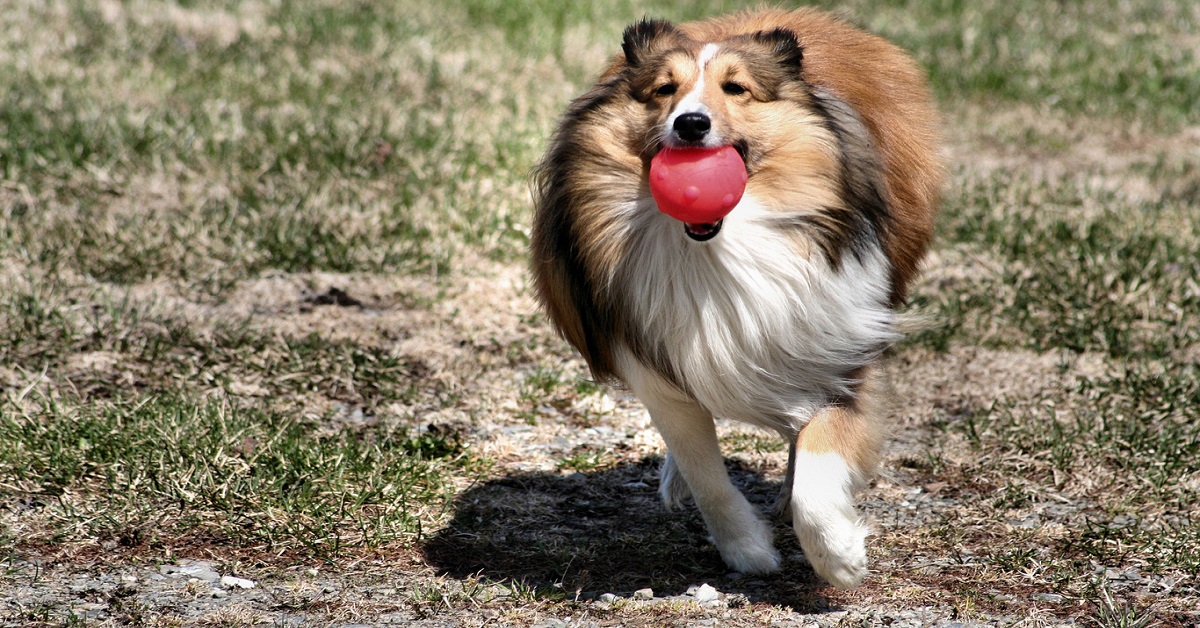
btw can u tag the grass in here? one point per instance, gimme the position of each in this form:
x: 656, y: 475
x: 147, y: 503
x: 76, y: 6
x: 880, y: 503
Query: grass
x: 261, y: 292
x: 165, y: 472
x: 1080, y: 268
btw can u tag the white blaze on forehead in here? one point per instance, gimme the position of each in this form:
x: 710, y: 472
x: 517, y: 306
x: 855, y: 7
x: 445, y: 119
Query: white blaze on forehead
x: 691, y: 102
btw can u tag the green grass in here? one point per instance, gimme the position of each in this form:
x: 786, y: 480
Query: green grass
x: 1078, y: 267
x: 164, y: 473
x: 1129, y: 439
x: 1104, y: 58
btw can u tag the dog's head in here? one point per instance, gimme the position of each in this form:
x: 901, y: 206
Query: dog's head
x: 709, y: 94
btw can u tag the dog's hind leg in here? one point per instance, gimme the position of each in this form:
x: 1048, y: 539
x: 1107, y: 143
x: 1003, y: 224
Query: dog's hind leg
x: 743, y: 538
x: 672, y: 488
x: 783, y: 503
x: 834, y: 454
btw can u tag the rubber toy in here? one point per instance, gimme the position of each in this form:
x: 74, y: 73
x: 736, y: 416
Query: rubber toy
x: 697, y: 185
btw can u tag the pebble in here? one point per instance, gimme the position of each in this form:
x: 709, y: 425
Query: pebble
x: 608, y: 598
x: 1047, y: 597
x: 644, y: 594
x: 1113, y: 574
x: 706, y: 593
x: 201, y: 570
x: 241, y: 583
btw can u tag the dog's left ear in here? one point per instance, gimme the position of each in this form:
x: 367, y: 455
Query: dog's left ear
x: 640, y: 38
x: 783, y: 46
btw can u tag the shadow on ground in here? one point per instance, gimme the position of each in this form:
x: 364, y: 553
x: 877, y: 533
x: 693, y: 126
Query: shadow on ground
x: 606, y: 531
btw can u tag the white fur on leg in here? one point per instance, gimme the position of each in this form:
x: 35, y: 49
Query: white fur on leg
x: 823, y: 515
x: 743, y: 538
x: 672, y: 488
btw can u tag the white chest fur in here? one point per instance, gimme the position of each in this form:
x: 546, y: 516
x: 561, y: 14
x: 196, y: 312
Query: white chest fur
x: 754, y: 330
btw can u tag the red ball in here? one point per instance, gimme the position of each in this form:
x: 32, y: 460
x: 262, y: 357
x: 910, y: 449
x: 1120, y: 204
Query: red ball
x: 697, y: 185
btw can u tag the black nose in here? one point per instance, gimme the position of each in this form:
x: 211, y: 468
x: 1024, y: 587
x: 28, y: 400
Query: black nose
x: 692, y: 127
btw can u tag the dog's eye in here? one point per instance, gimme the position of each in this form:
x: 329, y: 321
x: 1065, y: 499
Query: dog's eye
x: 733, y: 89
x: 665, y: 89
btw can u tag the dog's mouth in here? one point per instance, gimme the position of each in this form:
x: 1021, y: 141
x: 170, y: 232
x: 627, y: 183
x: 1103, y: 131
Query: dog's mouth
x: 705, y: 231
x: 702, y: 232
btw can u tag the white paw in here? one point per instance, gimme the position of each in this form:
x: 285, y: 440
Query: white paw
x: 836, y: 548
x: 823, y: 515
x: 752, y: 553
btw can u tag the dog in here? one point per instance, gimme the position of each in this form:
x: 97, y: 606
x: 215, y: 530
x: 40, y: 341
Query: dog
x: 778, y: 314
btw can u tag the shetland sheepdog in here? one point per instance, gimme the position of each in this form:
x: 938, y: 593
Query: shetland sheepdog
x: 778, y: 314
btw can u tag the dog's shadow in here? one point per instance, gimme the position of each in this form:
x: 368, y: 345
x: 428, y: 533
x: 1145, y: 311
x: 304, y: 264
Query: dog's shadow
x: 606, y: 532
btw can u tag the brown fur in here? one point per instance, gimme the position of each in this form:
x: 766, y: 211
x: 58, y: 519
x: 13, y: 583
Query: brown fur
x: 852, y: 430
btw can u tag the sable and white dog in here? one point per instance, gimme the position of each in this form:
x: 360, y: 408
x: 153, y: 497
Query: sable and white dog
x: 777, y: 314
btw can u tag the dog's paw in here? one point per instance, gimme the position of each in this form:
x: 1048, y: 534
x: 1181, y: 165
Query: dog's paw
x: 837, y: 549
x: 673, y: 490
x: 751, y: 554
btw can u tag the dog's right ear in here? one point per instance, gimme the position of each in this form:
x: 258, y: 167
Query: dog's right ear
x: 640, y: 38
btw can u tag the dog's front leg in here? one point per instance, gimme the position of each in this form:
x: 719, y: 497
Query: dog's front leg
x: 832, y: 456
x: 742, y: 537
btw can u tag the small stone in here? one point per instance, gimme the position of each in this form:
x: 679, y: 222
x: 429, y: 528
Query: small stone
x: 706, y: 593
x: 608, y: 598
x: 219, y: 593
x: 1047, y: 597
x: 200, y: 570
x: 643, y: 594
x: 241, y: 583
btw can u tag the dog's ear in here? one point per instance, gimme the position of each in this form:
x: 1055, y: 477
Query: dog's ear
x: 641, y: 36
x: 783, y: 45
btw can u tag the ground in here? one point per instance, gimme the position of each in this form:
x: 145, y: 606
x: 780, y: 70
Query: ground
x: 265, y: 322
